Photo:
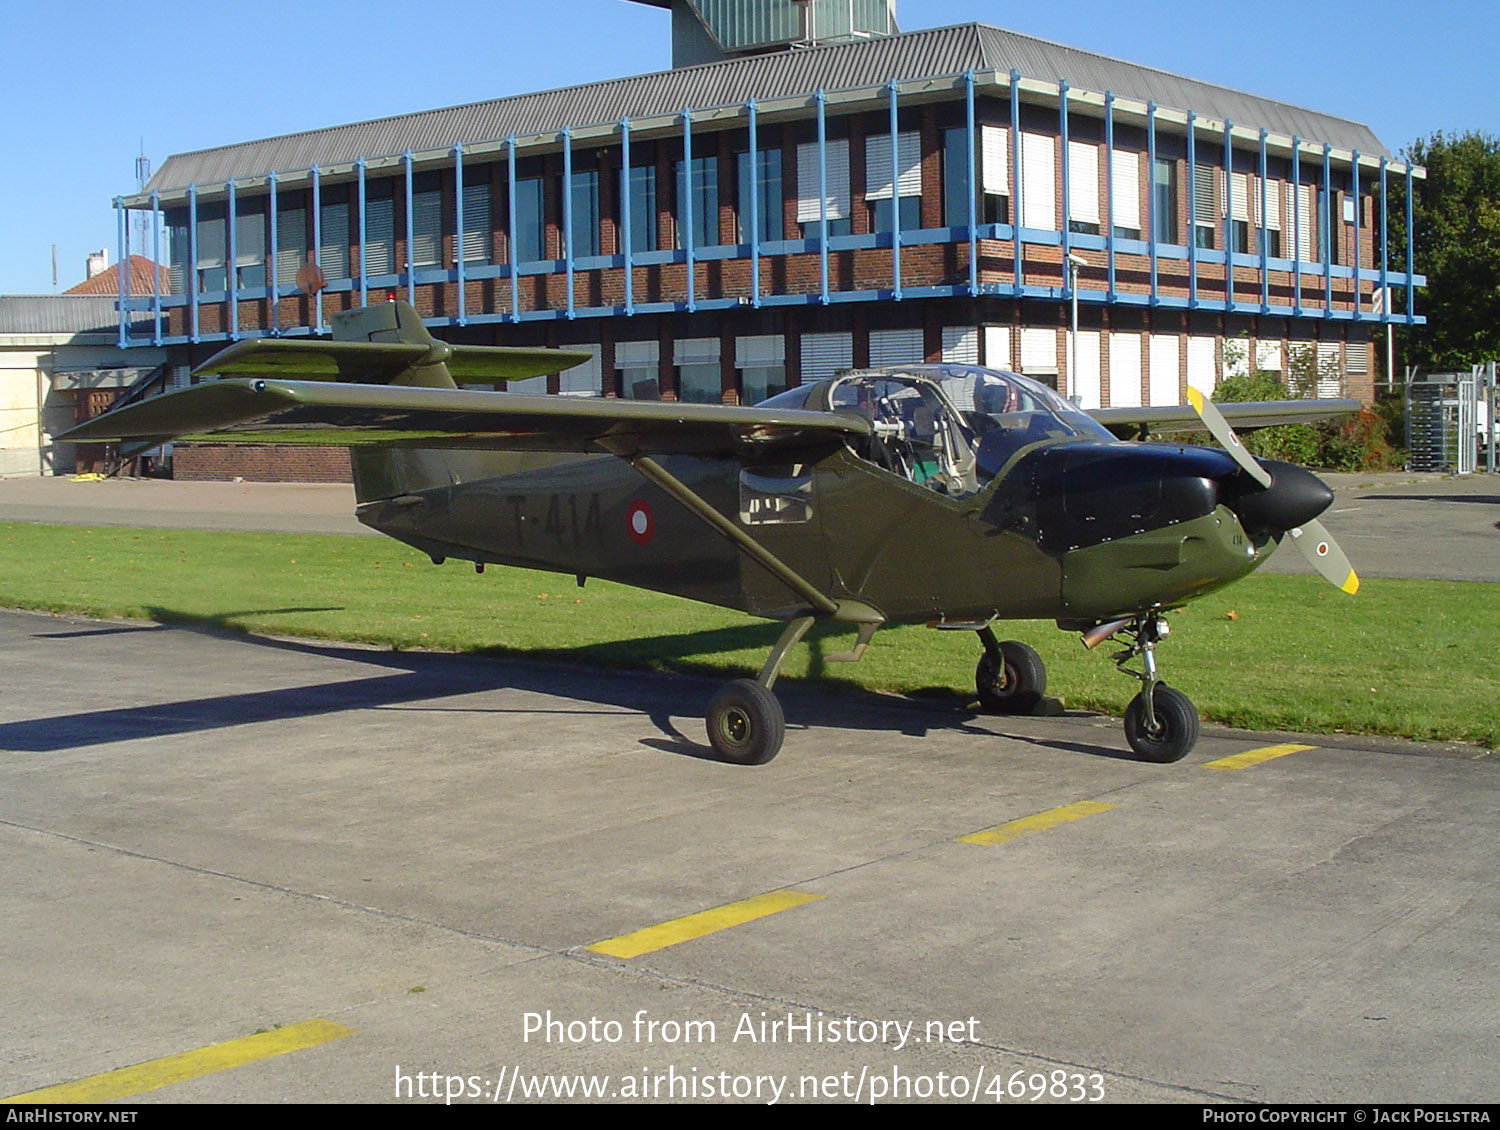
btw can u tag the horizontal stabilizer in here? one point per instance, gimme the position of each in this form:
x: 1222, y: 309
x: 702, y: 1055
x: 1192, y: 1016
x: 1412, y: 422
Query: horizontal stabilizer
x: 382, y: 362
x: 315, y: 413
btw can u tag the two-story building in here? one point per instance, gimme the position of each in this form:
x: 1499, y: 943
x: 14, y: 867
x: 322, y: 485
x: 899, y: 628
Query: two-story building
x: 792, y: 206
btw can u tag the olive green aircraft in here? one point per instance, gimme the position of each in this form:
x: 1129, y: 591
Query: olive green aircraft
x: 949, y: 495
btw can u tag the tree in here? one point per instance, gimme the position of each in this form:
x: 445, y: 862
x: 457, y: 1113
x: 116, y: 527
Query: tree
x: 1456, y: 244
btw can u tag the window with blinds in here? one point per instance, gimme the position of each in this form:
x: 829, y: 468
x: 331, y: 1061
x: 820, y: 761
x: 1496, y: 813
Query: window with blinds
x: 250, y: 247
x: 585, y: 379
x: 1083, y: 187
x: 1039, y: 353
x: 333, y: 242
x: 426, y: 248
x: 291, y: 243
x: 478, y: 223
x: 1201, y: 371
x: 1039, y: 181
x: 1268, y: 214
x: 212, y: 249
x: 1125, y: 195
x: 836, y: 173
x: 1124, y: 370
x: 1205, y: 217
x: 1165, y: 377
x: 826, y: 354
x: 961, y: 345
x: 761, y: 362
x: 698, y: 377
x: 380, y: 233
x: 895, y: 347
x: 637, y: 366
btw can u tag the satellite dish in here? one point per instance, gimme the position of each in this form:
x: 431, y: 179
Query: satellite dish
x: 310, y: 278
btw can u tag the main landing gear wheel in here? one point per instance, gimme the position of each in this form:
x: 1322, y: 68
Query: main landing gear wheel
x: 1014, y: 683
x: 745, y: 723
x: 1175, y: 731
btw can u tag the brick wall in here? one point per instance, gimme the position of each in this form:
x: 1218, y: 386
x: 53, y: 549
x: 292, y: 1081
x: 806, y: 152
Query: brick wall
x: 272, y: 463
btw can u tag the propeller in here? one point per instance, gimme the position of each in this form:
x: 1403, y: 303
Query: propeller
x: 1288, y: 502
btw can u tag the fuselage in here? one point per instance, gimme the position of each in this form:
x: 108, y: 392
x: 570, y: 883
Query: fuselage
x: 1073, y: 527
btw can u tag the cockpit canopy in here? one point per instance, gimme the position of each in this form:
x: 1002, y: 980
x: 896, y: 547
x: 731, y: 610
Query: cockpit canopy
x: 949, y: 427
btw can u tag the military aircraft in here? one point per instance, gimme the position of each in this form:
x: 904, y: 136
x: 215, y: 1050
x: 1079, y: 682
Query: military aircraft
x: 948, y: 495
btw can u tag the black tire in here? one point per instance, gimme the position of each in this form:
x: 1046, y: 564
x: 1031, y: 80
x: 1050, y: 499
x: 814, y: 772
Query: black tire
x: 745, y: 723
x: 1013, y: 686
x: 1176, y: 726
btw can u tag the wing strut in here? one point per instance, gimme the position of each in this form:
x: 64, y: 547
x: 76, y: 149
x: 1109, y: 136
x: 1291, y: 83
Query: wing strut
x: 674, y: 486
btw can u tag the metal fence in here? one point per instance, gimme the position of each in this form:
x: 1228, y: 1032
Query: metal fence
x: 1451, y: 420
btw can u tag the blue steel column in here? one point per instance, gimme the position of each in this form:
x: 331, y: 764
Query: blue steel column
x: 823, y: 197
x: 1109, y: 194
x: 1192, y: 232
x: 155, y: 270
x: 510, y: 197
x: 1064, y: 163
x: 625, y: 190
x: 567, y: 140
x: 685, y: 202
x: 231, y: 266
x: 1328, y: 232
x: 1385, y: 253
x: 973, y: 185
x: 123, y: 269
x: 1153, y: 231
x: 190, y: 271
x: 1410, y: 266
x: 1265, y: 266
x: 359, y: 170
x: 411, y: 271
x: 1015, y: 178
x: 1229, y: 214
x: 1354, y: 181
x: 1297, y: 225
x: 272, y: 271
x: 895, y: 199
x: 458, y: 228
x: 754, y: 159
x: 317, y: 218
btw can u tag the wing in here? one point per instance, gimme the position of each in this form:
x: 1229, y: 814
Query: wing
x: 378, y: 362
x: 318, y: 413
x: 1245, y: 415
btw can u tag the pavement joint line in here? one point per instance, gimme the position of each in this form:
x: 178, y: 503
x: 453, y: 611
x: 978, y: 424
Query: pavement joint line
x: 155, y: 1074
x: 690, y: 926
x: 1253, y: 757
x: 1036, y: 822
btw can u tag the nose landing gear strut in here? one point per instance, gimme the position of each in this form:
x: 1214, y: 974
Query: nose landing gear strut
x: 1161, y: 723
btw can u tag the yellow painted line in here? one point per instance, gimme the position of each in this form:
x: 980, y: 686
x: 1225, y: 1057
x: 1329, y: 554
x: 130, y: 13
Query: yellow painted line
x: 1040, y: 822
x: 158, y: 1073
x: 692, y: 926
x: 1255, y: 756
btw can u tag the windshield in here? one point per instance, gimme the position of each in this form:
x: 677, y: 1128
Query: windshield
x: 1006, y: 412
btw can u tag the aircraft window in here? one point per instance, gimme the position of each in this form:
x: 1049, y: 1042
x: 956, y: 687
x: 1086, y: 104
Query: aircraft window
x: 918, y: 433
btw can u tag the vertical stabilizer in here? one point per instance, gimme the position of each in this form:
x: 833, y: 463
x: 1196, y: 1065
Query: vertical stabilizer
x: 398, y: 322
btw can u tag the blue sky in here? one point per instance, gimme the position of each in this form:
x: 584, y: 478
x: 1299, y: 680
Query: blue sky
x: 87, y: 83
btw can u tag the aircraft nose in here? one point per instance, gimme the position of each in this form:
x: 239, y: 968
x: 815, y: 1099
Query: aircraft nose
x: 1295, y: 497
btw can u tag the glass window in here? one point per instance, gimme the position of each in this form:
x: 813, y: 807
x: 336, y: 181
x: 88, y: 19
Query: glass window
x: 291, y: 241
x: 527, y: 241
x: 427, y: 221
x: 333, y: 244
x: 957, y: 189
x: 380, y: 229
x: 767, y: 195
x: 699, y: 191
x: 642, y: 208
x: 1164, y: 201
x: 584, y: 236
x: 1205, y: 216
x: 699, y: 383
x: 250, y: 247
x: 813, y: 229
x: 910, y: 214
x: 478, y: 223
x: 212, y: 248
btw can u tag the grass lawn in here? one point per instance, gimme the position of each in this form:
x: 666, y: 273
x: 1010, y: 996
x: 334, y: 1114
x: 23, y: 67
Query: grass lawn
x: 1403, y: 657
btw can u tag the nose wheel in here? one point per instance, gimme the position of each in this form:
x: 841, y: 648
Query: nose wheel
x: 1161, y: 723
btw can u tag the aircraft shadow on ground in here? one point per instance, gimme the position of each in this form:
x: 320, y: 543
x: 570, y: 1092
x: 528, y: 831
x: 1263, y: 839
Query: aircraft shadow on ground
x: 424, y: 679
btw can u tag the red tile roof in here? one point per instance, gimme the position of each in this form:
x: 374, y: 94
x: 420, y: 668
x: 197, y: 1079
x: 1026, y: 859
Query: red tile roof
x: 108, y: 282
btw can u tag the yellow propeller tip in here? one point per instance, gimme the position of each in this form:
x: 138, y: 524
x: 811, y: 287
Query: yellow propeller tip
x: 1351, y: 585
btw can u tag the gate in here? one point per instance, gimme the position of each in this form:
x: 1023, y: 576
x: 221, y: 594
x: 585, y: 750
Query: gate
x: 1449, y: 418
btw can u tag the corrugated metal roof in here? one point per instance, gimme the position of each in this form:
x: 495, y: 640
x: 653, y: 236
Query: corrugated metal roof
x: 58, y: 314
x: 911, y: 55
